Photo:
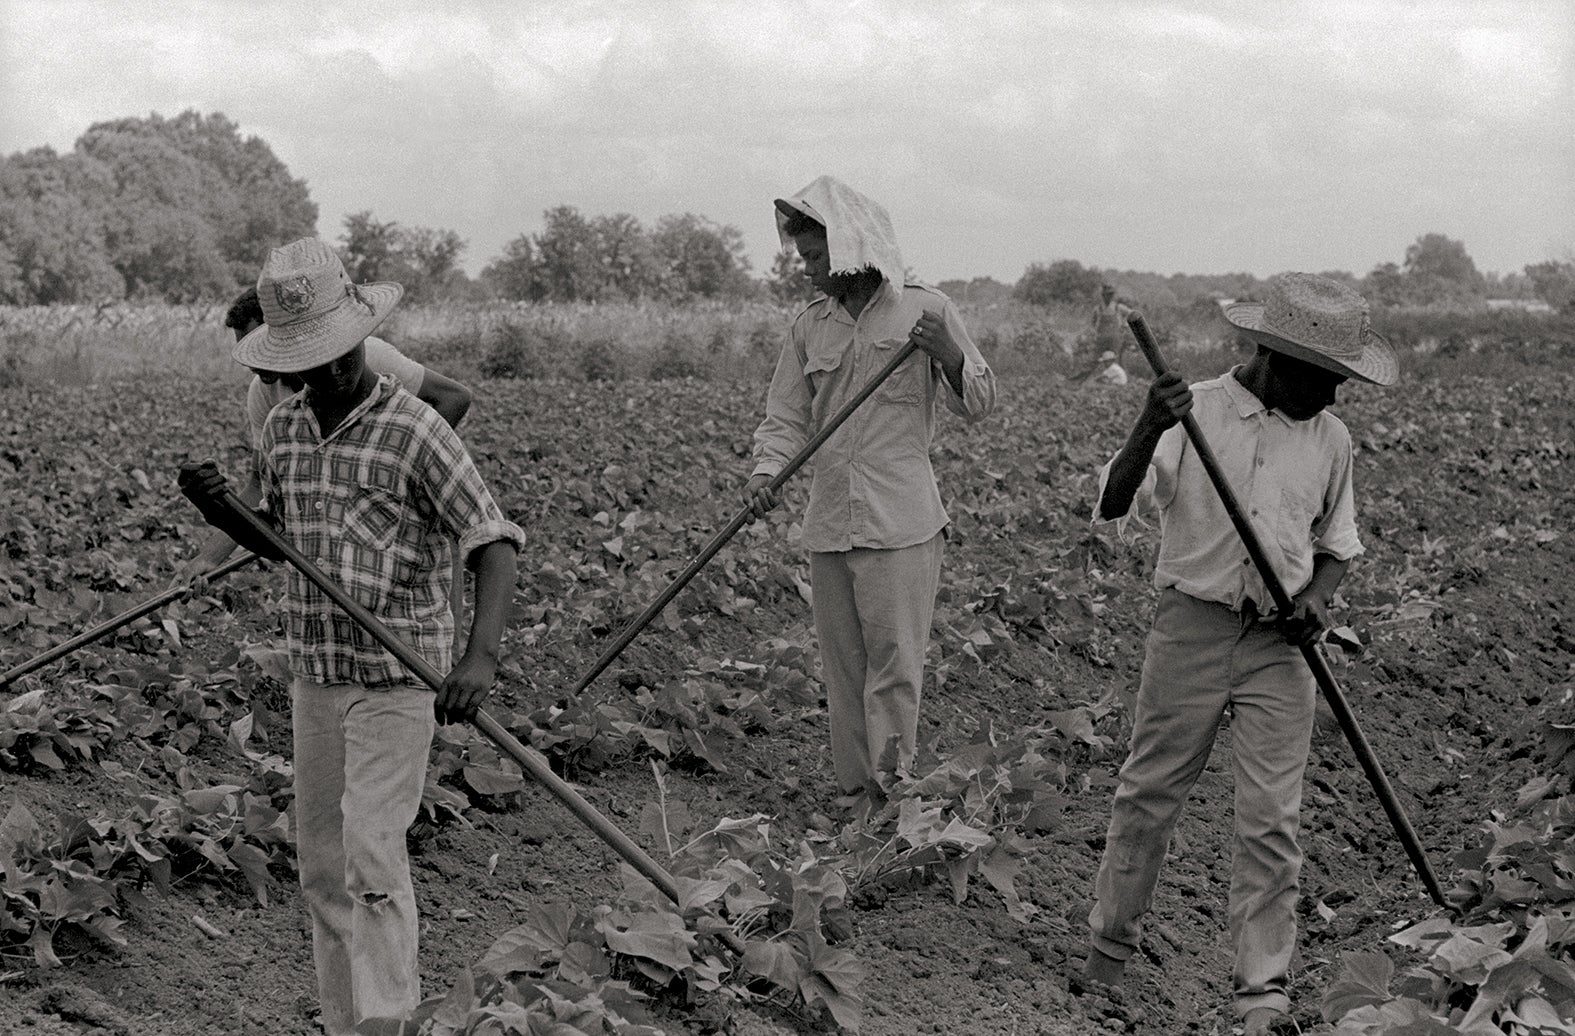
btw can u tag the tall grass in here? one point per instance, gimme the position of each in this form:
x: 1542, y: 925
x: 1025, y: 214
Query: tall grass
x: 721, y: 341
x: 85, y: 345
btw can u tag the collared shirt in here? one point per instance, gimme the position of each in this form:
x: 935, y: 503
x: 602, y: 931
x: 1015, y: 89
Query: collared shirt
x: 381, y: 358
x: 873, y: 485
x: 1291, y: 478
x: 376, y: 505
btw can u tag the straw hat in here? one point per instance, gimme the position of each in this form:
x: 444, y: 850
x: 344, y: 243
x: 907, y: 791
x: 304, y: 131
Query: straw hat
x: 1320, y: 321
x: 312, y: 313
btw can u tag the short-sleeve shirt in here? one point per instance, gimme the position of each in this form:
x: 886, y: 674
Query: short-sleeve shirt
x: 1292, y: 478
x: 377, y: 505
x: 381, y: 357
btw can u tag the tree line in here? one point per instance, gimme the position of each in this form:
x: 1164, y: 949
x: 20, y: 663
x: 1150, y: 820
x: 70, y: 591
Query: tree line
x: 185, y: 209
x: 1437, y: 271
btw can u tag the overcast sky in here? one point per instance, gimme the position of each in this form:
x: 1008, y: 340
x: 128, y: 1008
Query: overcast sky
x: 1197, y: 137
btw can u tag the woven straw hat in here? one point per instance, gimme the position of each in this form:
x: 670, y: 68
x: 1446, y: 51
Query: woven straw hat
x: 312, y: 313
x: 1320, y: 321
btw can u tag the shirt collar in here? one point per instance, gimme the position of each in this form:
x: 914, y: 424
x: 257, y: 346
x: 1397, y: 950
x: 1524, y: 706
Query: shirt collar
x: 1247, y: 404
x: 384, y: 388
x: 834, y: 309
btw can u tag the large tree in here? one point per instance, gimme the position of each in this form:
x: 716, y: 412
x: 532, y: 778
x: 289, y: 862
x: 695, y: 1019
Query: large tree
x: 1063, y: 281
x: 627, y: 255
x: 425, y: 260
x: 787, y: 282
x: 513, y: 274
x: 1554, y: 283
x: 52, y: 228
x: 178, y: 209
x: 568, y: 267
x: 701, y: 257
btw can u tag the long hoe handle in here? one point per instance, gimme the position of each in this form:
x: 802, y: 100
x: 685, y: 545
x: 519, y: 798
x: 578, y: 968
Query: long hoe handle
x: 530, y: 760
x: 739, y: 520
x: 109, y: 626
x: 1311, y: 652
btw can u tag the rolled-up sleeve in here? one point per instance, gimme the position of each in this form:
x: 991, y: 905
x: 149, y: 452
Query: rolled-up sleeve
x: 1156, y: 490
x: 459, y: 497
x: 978, y: 380
x: 1335, y: 531
x: 785, y: 429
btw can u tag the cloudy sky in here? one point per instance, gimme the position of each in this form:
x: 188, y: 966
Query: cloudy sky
x: 1201, y: 137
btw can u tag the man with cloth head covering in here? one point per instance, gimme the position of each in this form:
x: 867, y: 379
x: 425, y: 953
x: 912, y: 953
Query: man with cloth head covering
x: 1216, y: 643
x: 874, y: 524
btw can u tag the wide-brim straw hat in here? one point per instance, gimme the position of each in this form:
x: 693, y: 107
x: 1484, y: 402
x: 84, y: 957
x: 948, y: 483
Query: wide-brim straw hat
x: 312, y: 312
x: 1319, y: 321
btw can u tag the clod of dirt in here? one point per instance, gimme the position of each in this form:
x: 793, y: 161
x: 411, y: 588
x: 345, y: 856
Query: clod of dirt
x: 82, y: 1006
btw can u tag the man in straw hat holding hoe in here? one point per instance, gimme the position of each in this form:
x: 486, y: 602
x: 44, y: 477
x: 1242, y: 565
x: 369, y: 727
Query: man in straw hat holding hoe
x: 269, y: 388
x: 873, y: 527
x: 376, y: 487
x: 1215, y: 643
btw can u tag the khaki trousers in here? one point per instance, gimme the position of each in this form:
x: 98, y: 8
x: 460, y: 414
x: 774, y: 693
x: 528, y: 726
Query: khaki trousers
x: 1201, y: 657
x: 872, y: 616
x: 360, y: 763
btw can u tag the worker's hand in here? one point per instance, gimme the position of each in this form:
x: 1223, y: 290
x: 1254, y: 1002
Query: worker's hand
x: 191, y: 575
x: 465, y: 688
x: 759, y: 497
x: 931, y: 335
x: 1169, y: 400
x: 203, y: 484
x: 1308, y: 619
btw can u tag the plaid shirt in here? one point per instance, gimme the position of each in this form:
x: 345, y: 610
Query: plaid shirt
x: 376, y: 505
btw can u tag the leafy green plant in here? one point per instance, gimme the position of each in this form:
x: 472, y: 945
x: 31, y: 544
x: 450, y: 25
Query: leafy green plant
x: 968, y: 815
x: 1504, y: 962
x: 51, y: 884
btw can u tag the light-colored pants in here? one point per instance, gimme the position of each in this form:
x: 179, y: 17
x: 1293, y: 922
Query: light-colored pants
x: 872, y: 617
x: 360, y: 762
x: 1201, y: 657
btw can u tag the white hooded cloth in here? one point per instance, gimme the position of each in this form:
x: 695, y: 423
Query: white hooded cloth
x: 858, y: 231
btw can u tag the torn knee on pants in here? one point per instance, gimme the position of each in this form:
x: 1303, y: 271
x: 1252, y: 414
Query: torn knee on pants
x: 372, y: 899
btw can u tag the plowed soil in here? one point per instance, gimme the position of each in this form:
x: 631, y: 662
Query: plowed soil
x: 1466, y: 495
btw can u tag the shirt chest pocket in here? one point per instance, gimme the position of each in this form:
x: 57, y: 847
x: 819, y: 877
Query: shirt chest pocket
x: 1301, y: 507
x: 905, y: 385
x: 372, y: 518
x: 821, y: 367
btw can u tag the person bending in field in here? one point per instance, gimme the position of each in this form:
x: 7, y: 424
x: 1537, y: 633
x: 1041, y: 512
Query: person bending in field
x: 376, y: 487
x: 874, y: 525
x: 1216, y: 642
x: 270, y: 388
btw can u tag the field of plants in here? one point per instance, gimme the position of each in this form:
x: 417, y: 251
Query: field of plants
x: 146, y: 869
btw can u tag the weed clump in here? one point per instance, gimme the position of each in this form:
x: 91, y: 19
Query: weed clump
x: 674, y: 359
x: 516, y: 353
x: 601, y: 359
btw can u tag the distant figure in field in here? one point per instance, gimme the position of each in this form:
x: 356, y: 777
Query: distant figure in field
x: 1217, y: 642
x: 270, y: 388
x: 1109, y: 324
x: 874, y: 525
x: 1104, y: 371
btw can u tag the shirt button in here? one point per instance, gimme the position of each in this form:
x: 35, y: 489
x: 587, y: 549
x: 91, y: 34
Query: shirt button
x: 1254, y: 510
x: 1260, y: 462
x: 1246, y: 561
x: 319, y: 506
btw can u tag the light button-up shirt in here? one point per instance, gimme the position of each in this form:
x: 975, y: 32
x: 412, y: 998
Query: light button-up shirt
x: 873, y: 485
x: 1291, y: 478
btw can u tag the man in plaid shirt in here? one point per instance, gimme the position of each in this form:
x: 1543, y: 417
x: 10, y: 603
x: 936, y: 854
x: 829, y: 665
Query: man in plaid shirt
x: 375, y: 487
